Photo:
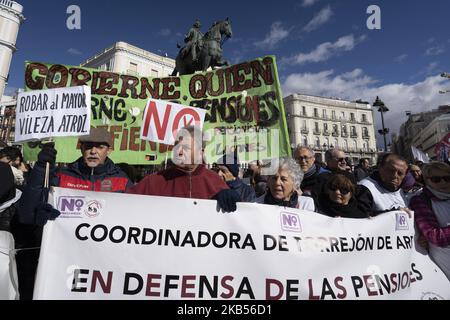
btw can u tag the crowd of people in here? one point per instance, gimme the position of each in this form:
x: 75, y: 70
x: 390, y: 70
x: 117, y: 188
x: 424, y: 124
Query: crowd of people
x: 334, y: 189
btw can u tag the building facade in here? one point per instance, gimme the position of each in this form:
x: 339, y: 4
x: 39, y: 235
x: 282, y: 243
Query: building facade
x: 412, y: 133
x: 432, y: 134
x: 10, y: 20
x: 323, y: 123
x: 126, y: 58
x: 7, y: 120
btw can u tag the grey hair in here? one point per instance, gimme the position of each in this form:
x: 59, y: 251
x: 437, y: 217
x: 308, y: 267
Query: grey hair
x: 299, y: 148
x: 295, y: 172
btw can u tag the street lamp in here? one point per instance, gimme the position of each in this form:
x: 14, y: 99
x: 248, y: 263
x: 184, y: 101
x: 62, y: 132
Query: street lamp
x: 382, y: 109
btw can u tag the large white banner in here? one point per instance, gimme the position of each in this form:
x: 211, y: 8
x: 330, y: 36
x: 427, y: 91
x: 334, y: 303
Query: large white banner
x: 50, y: 113
x: 120, y: 246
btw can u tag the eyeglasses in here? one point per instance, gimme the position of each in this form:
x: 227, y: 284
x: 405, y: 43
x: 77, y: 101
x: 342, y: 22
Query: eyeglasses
x: 439, y: 179
x: 344, y: 191
x: 300, y: 159
x: 340, y: 159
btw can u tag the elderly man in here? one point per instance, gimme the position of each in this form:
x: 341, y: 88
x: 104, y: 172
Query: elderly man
x: 188, y: 178
x: 304, y: 156
x: 93, y: 171
x: 384, y: 185
x: 335, y: 159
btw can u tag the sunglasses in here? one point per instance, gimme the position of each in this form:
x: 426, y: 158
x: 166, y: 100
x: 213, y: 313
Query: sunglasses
x: 344, y: 191
x: 340, y: 159
x: 439, y: 179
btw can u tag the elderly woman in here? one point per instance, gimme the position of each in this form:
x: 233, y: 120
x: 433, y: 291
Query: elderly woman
x: 432, y: 212
x: 338, y: 198
x: 283, y: 188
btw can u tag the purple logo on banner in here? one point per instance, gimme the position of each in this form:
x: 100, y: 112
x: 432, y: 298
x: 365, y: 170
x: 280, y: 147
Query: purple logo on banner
x: 70, y: 206
x: 290, y: 222
x: 401, y: 221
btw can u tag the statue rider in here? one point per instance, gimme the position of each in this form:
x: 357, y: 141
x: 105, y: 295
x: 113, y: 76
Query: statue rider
x: 193, y: 40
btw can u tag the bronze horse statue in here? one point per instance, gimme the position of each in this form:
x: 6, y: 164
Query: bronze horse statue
x: 209, y: 53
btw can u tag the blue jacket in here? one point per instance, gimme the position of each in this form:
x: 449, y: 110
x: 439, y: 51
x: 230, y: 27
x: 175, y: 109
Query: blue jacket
x: 246, y: 192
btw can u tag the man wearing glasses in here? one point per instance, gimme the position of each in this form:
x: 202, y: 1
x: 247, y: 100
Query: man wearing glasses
x: 306, y: 160
x: 336, y: 162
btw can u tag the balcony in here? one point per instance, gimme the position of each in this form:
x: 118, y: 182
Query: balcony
x: 344, y: 134
x: 335, y: 134
x: 317, y: 132
x: 326, y: 133
x: 304, y: 130
x: 353, y: 135
x: 365, y: 136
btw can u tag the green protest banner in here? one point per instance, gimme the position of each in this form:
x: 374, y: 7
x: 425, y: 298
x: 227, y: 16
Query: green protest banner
x: 243, y: 103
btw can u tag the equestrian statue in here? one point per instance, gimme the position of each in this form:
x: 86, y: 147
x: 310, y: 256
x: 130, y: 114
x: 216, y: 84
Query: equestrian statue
x: 203, y: 51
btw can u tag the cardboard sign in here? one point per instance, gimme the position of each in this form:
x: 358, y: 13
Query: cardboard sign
x: 50, y: 113
x: 163, y: 119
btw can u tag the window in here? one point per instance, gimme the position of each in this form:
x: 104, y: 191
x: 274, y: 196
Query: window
x: 305, y: 141
x: 364, y: 118
x: 316, y: 126
x: 336, y: 143
x: 352, y: 116
x: 355, y: 144
x: 365, y: 132
x: 365, y: 148
x: 353, y: 130
x: 318, y: 142
x: 333, y: 115
x: 325, y: 127
x: 133, y: 67
x: 304, y: 124
x: 335, y: 129
x: 316, y: 113
x: 304, y: 110
x: 324, y: 113
x: 342, y: 115
x: 154, y: 73
x: 345, y: 145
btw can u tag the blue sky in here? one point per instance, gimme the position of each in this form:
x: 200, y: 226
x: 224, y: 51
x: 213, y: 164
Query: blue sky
x: 322, y: 47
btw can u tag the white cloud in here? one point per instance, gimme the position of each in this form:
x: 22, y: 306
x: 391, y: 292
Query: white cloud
x: 276, y: 34
x: 74, y: 52
x: 326, y: 50
x: 165, y: 32
x: 308, y: 3
x: 398, y: 97
x: 401, y: 58
x: 434, y: 51
x: 319, y: 19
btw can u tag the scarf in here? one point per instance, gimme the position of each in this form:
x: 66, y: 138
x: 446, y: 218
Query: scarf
x: 440, y: 195
x: 333, y: 209
x: 311, y: 171
x: 291, y: 203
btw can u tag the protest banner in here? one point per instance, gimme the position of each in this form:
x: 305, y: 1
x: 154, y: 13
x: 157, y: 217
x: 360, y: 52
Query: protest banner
x: 243, y: 105
x: 62, y: 112
x: 162, y: 120
x: 144, y: 247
